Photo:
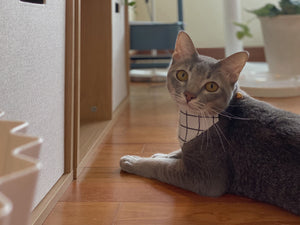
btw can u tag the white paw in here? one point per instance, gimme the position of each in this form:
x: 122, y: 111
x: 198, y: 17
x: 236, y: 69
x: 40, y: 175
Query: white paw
x: 128, y: 163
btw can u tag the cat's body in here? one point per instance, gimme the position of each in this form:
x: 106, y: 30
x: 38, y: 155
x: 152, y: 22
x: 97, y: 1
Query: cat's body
x: 259, y: 153
x: 253, y: 150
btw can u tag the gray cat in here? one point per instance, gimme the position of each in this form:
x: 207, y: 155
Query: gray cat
x: 231, y: 143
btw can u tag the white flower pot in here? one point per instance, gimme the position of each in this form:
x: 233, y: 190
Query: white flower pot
x: 19, y: 168
x: 282, y: 43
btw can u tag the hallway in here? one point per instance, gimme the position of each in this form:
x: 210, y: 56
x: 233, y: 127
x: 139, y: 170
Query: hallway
x: 104, y: 195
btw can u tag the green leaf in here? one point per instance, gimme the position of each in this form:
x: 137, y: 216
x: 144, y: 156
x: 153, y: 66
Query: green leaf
x: 130, y: 3
x: 268, y: 10
x: 248, y: 35
x: 289, y: 7
x: 244, y: 32
x: 240, y: 35
x: 243, y: 26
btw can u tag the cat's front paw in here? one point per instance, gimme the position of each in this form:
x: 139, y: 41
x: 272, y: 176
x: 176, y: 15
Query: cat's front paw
x: 128, y: 163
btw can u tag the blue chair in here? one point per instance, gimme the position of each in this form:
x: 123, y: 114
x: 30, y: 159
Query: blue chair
x: 154, y: 35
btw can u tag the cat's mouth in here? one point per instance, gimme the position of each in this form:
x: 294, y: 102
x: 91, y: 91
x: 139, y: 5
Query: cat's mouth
x: 193, y: 106
x: 196, y: 108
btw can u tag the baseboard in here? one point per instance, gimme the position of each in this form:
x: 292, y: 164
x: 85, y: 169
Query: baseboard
x: 93, y: 146
x: 44, y: 208
x: 257, y: 54
x: 40, y: 213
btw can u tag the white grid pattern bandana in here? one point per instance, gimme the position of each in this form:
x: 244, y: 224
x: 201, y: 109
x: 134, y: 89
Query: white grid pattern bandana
x: 191, y: 125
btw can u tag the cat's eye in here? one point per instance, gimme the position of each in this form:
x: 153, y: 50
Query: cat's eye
x: 211, y: 86
x: 182, y: 75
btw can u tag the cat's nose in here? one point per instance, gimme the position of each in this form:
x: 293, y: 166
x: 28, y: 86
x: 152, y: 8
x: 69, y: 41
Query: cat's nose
x: 189, y: 96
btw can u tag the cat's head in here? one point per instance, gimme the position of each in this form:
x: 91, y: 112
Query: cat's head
x: 199, y: 83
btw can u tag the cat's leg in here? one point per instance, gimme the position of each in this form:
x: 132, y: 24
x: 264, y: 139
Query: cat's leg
x: 167, y: 170
x: 173, y: 171
x: 176, y: 155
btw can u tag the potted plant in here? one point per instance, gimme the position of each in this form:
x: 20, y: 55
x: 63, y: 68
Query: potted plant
x: 281, y: 32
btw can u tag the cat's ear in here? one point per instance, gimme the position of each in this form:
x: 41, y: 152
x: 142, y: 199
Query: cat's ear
x: 234, y: 64
x: 184, y: 47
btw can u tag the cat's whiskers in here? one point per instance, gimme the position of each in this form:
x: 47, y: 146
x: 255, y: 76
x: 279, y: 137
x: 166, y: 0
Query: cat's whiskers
x: 219, y: 132
x: 223, y: 135
x: 202, y: 140
x: 179, y: 99
x: 228, y: 115
x: 203, y: 115
x: 220, y: 138
x: 196, y: 106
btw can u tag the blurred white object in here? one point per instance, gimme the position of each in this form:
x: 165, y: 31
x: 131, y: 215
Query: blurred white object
x: 281, y: 76
x: 232, y: 13
x: 149, y: 75
x: 19, y: 168
x: 257, y: 81
x: 282, y: 43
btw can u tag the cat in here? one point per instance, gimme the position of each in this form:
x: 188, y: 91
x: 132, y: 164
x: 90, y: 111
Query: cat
x: 231, y: 142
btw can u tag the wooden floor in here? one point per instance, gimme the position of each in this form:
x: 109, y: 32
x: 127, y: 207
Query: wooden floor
x: 104, y: 195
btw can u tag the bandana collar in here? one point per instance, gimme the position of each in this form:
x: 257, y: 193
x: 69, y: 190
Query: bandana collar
x: 192, y: 125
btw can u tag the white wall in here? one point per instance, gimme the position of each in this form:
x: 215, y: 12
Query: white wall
x: 204, y: 19
x: 32, y: 78
x: 119, y: 76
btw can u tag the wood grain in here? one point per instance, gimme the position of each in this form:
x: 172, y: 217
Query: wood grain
x: 91, y: 213
x: 147, y: 126
x: 89, y: 133
x: 108, y: 155
x: 41, y: 212
x: 127, y: 46
x: 202, y: 213
x: 92, y: 135
x: 76, y: 138
x: 69, y: 84
x: 96, y: 61
x: 257, y: 54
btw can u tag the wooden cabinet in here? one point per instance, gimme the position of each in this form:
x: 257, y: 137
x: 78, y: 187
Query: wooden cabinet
x: 93, y: 76
x: 95, y: 88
